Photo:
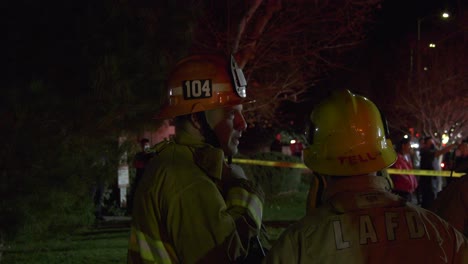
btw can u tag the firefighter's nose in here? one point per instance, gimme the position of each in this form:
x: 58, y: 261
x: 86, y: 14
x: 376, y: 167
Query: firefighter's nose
x: 240, y: 123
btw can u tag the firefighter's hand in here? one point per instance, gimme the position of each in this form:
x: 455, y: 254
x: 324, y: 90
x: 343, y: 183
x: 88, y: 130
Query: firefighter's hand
x: 233, y: 171
x: 237, y: 172
x: 234, y: 176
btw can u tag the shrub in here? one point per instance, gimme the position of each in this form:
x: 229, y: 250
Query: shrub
x: 274, y: 180
x: 50, y: 193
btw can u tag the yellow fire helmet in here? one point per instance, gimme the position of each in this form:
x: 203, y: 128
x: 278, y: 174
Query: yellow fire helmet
x: 204, y: 82
x: 348, y: 136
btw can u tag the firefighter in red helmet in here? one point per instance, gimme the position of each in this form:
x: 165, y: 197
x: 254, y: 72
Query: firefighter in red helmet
x: 192, y: 206
x: 360, y: 220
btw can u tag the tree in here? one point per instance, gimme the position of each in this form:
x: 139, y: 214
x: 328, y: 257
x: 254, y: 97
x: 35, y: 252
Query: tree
x: 78, y: 75
x: 436, y: 103
x: 285, y: 47
x: 81, y: 74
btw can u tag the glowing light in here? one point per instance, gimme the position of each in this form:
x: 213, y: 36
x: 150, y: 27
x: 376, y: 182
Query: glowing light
x: 293, y: 141
x: 445, y: 139
x: 414, y: 145
x: 405, y: 136
x: 442, y: 165
x: 432, y: 45
x: 445, y: 15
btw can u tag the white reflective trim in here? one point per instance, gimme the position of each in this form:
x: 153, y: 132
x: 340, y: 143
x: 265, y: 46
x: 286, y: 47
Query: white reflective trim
x: 238, y: 196
x: 218, y: 87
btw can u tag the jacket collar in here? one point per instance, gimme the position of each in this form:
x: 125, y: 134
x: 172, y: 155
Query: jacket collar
x: 360, y: 192
x: 357, y: 184
x: 183, y: 137
x: 207, y: 157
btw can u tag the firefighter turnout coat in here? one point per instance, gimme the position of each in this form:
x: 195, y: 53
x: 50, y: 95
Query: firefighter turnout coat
x: 452, y: 204
x: 361, y: 222
x: 184, y: 213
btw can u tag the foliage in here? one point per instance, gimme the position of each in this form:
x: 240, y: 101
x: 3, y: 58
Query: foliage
x: 78, y: 77
x: 53, y: 191
x: 257, y: 138
x: 260, y: 136
x: 109, y: 243
x: 274, y: 180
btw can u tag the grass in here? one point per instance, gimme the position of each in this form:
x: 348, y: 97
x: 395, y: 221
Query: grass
x: 94, y: 246
x: 285, y: 206
x: 107, y: 245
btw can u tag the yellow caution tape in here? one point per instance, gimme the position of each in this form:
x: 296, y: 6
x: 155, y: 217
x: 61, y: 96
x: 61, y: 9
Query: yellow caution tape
x: 425, y: 172
x: 283, y: 164
x: 295, y: 165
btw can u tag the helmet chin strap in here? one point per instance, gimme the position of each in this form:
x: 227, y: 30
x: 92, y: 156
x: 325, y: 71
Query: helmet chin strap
x: 209, y: 134
x: 207, y: 131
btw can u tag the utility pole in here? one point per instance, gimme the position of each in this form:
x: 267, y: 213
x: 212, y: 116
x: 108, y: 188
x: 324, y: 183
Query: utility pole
x: 418, y: 56
x: 444, y: 15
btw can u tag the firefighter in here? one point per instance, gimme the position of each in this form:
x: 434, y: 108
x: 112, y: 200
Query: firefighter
x: 452, y: 202
x: 360, y: 220
x: 191, y: 205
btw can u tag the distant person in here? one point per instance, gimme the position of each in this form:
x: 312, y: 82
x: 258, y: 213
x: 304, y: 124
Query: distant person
x: 98, y: 198
x: 461, y: 157
x: 296, y: 148
x: 140, y: 161
x: 430, y: 160
x: 404, y: 185
x: 192, y: 205
x: 417, y: 166
x: 417, y: 154
x: 99, y: 187
x: 276, y: 145
x: 142, y: 158
x: 458, y: 160
x: 360, y: 220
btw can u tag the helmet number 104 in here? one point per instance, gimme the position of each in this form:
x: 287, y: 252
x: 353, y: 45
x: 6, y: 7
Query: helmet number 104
x: 194, y: 89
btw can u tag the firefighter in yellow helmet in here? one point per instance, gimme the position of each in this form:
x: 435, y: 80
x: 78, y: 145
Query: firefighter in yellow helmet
x: 192, y: 206
x: 360, y: 220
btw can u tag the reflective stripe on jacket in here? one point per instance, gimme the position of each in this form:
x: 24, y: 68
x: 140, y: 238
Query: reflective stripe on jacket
x: 361, y: 222
x: 180, y: 214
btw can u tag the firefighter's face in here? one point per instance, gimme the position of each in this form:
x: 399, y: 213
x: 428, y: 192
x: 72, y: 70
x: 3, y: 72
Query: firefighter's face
x: 228, y: 124
x: 406, y: 148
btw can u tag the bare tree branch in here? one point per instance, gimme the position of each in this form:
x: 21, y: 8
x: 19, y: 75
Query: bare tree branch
x: 439, y: 104
x: 285, y: 47
x: 243, y: 23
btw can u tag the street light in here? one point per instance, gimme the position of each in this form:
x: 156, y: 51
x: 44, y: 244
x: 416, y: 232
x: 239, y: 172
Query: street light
x: 443, y: 15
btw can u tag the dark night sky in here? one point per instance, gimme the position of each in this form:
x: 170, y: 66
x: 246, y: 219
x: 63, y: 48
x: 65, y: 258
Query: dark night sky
x: 394, y: 29
x: 391, y: 36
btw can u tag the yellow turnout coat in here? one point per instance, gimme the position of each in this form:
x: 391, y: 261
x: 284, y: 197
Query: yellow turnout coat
x: 361, y: 222
x: 184, y: 213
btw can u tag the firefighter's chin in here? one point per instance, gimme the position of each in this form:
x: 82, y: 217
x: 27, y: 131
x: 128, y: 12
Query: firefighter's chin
x: 232, y: 148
